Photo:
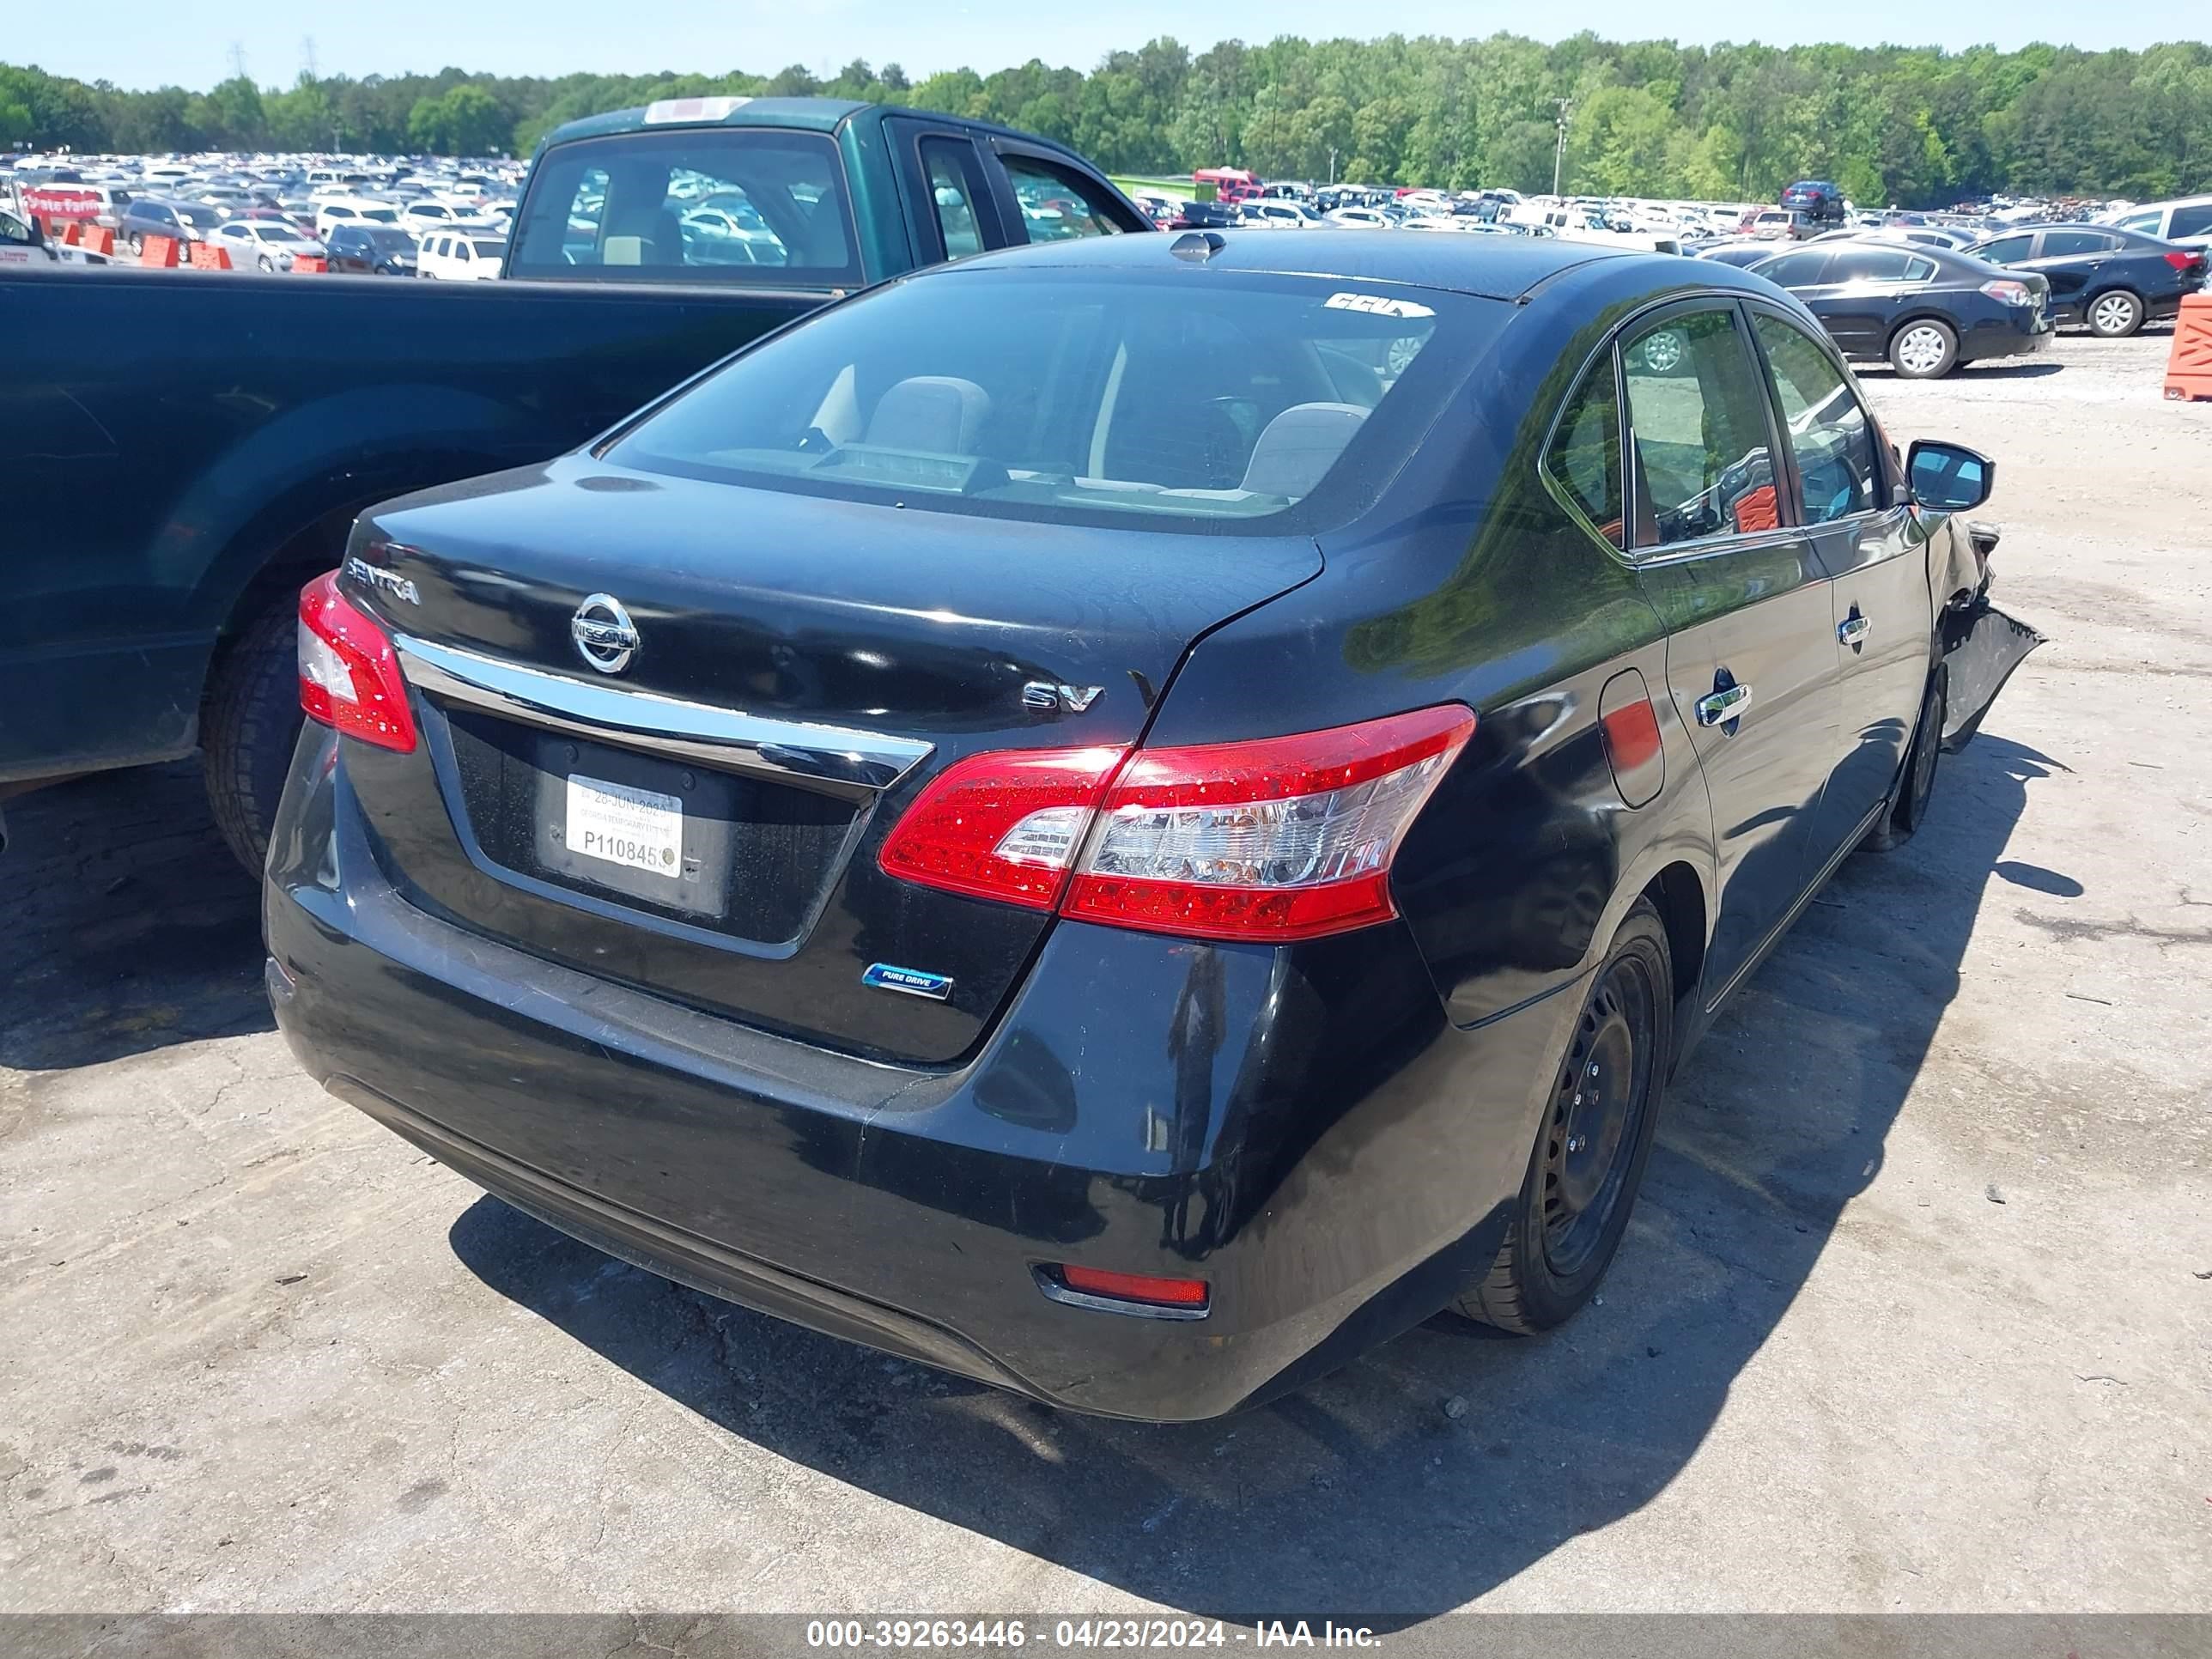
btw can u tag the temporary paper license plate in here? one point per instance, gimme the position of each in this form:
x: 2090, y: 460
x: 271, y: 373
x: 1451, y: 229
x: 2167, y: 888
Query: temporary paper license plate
x: 636, y: 828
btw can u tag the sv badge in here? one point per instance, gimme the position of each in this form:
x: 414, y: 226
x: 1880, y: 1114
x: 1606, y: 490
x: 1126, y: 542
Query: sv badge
x: 1048, y: 695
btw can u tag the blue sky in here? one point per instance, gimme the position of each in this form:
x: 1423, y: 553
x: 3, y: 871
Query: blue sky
x: 140, y: 43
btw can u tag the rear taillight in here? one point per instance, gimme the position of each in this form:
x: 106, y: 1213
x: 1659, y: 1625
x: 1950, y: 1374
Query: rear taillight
x: 2184, y: 261
x: 2010, y: 293
x: 1001, y: 826
x: 348, y: 675
x: 1278, y: 838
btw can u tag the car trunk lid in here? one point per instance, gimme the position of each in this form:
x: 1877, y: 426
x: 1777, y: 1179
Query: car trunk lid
x: 700, y: 817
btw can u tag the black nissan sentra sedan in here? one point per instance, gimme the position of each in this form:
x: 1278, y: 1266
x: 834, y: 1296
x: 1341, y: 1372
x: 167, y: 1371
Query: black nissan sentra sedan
x: 1924, y: 311
x: 1128, y: 819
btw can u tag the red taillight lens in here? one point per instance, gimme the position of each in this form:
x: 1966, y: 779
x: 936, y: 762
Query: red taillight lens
x: 2009, y: 292
x: 1280, y: 839
x: 2181, y: 261
x: 1285, y: 838
x: 348, y: 675
x: 1001, y: 826
x: 1142, y: 1288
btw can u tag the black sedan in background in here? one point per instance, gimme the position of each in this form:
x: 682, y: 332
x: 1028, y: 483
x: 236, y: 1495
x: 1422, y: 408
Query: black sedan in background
x: 1923, y: 310
x: 1131, y: 817
x: 372, y: 250
x: 187, y: 221
x: 2113, y: 279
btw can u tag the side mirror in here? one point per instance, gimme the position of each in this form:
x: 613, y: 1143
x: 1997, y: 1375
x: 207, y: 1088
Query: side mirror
x: 1949, y: 477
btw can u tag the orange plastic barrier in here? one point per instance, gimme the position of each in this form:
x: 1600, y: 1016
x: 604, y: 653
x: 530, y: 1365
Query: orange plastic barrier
x: 73, y: 233
x: 2189, y: 366
x: 309, y: 262
x: 210, y: 259
x: 160, y: 251
x: 98, y: 240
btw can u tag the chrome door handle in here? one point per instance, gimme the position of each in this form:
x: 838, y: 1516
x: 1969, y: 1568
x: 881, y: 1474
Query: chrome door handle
x: 1853, y: 630
x: 1724, y: 705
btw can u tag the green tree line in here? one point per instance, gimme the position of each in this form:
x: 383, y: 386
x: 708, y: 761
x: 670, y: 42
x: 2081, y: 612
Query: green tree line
x: 1909, y: 125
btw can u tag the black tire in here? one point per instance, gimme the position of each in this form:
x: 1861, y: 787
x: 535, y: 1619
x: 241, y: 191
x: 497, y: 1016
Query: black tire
x: 1925, y: 349
x: 1605, y: 1102
x: 2115, y: 314
x: 248, y: 725
x: 1916, y: 782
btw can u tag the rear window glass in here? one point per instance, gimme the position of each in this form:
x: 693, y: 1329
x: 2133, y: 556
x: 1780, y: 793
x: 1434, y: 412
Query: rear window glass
x: 749, y: 206
x: 1055, y: 395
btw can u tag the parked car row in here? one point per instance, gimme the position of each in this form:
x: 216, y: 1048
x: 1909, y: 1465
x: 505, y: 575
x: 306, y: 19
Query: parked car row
x: 1926, y: 307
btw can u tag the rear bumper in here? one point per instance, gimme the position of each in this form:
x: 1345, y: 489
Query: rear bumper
x: 2004, y: 332
x: 1302, y: 1127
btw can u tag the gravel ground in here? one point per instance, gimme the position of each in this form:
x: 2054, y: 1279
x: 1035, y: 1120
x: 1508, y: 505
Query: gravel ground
x: 1916, y: 1314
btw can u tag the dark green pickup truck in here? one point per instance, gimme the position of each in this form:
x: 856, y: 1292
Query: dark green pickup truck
x: 181, y: 449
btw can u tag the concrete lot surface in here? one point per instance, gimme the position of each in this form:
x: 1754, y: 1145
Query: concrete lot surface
x: 1916, y: 1313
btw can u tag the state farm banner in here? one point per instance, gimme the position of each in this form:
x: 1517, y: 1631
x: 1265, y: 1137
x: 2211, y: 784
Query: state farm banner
x: 60, y: 202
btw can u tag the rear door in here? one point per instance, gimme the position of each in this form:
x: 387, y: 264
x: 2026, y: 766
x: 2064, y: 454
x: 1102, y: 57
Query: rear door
x: 1875, y: 554
x: 1865, y: 294
x: 1751, y: 657
x: 2074, y: 263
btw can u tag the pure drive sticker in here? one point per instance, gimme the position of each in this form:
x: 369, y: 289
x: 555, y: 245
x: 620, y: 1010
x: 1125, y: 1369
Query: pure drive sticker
x: 632, y: 827
x: 1375, y: 305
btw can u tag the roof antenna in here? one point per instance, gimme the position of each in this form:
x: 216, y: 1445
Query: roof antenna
x: 1198, y: 245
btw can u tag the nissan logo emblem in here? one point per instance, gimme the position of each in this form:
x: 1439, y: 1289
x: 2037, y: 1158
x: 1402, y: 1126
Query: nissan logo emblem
x: 606, y: 637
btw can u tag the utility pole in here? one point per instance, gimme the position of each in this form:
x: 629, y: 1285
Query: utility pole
x: 1563, y: 105
x: 307, y: 57
x: 1332, y: 164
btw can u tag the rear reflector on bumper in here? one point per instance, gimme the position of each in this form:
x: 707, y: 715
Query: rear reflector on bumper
x: 1141, y: 1294
x: 1274, y: 840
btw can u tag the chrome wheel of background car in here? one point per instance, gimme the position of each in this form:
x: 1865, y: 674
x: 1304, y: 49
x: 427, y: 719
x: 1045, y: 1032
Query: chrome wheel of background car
x: 1604, y: 1090
x: 266, y: 263
x: 137, y: 243
x: 1923, y: 352
x: 1662, y: 352
x: 2114, y: 316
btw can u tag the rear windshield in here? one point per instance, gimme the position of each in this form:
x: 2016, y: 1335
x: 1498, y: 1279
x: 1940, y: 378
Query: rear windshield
x: 1230, y: 400
x: 751, y: 206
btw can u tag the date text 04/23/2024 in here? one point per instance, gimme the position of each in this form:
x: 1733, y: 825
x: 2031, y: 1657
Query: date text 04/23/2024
x: 1063, y: 1633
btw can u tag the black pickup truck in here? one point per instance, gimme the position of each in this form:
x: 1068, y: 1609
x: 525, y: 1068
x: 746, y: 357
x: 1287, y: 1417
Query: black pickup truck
x: 179, y: 451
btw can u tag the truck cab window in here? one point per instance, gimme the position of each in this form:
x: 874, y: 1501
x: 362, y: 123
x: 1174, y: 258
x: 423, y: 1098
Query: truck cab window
x: 1056, y: 205
x: 735, y: 204
x: 949, y: 188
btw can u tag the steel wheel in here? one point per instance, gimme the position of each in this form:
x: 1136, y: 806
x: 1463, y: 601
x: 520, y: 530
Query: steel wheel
x: 2116, y: 315
x: 1923, y: 352
x: 1604, y: 1089
x: 1592, y: 1141
x: 1916, y: 787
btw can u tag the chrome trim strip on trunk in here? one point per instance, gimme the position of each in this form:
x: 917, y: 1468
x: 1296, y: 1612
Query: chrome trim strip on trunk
x: 833, y: 759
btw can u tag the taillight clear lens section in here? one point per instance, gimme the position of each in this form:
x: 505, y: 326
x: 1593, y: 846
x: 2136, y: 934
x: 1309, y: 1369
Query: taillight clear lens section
x: 1001, y: 826
x: 2009, y: 292
x: 349, y: 675
x: 1284, y: 838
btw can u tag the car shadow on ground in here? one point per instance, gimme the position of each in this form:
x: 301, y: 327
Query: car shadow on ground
x: 129, y: 925
x: 1450, y: 1459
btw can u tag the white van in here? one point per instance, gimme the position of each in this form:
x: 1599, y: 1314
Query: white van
x: 460, y: 256
x: 2186, y: 219
x: 351, y: 210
